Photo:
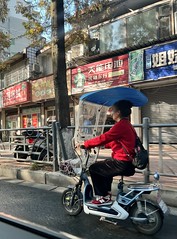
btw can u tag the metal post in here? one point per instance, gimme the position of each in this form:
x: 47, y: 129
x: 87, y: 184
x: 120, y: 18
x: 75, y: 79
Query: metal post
x: 61, y: 141
x: 47, y: 141
x: 54, y: 140
x: 160, y: 151
x: 10, y: 143
x: 146, y: 122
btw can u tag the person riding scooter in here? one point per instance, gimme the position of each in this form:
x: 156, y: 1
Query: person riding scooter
x: 120, y: 137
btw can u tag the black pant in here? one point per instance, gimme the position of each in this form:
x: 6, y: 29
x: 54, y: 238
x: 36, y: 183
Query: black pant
x: 102, y: 174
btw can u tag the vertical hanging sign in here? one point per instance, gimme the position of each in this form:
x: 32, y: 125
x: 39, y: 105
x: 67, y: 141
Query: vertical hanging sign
x: 136, y: 66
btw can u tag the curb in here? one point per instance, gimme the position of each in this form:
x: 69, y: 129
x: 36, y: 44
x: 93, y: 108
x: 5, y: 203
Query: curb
x: 60, y: 180
x: 42, y: 177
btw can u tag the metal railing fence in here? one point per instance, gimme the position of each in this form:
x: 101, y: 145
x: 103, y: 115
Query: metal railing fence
x: 159, y: 139
x: 161, y: 145
x: 27, y: 144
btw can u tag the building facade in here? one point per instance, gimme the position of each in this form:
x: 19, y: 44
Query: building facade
x: 148, y: 36
x: 13, y: 26
x: 27, y: 89
x: 136, y: 49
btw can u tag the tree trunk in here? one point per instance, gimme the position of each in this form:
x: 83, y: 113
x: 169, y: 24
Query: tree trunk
x: 59, y: 65
x: 63, y: 136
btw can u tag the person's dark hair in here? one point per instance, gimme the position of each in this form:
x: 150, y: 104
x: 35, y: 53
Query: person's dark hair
x: 124, y: 106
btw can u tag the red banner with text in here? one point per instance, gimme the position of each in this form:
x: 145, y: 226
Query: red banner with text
x: 100, y: 75
x: 17, y: 94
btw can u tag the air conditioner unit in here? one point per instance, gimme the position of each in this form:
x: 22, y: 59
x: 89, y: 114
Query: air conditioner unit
x: 36, y: 68
x: 77, y: 50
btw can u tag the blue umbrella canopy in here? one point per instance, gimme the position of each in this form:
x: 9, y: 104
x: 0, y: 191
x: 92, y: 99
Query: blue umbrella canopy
x: 109, y: 96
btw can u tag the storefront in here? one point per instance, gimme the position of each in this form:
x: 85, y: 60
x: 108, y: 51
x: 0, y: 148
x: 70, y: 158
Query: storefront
x: 162, y: 109
x: 162, y: 105
x: 43, y: 92
x: 31, y: 115
x: 12, y: 121
x: 160, y: 86
x: 13, y: 97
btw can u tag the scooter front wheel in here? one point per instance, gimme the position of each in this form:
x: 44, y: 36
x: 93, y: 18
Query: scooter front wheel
x: 72, y: 201
x: 148, y: 220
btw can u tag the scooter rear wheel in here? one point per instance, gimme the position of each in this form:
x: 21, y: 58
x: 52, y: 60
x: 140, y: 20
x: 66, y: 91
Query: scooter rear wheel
x: 152, y: 213
x: 72, y: 201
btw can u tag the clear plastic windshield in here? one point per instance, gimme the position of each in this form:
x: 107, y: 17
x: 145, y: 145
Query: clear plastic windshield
x: 90, y: 121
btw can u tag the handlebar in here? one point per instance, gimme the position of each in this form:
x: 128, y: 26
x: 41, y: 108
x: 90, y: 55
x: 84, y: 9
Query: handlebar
x: 87, y: 150
x: 83, y: 147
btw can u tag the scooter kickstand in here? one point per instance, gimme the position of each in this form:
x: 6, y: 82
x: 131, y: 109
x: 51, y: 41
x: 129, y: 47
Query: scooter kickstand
x: 103, y: 219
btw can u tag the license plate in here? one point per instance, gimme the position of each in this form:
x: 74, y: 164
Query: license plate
x: 162, y: 204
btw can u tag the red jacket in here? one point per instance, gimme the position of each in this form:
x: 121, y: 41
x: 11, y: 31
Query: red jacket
x: 123, y: 132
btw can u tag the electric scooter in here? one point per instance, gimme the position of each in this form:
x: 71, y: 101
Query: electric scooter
x: 146, y: 215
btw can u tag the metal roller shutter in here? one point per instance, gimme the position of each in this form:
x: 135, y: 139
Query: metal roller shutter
x: 162, y: 109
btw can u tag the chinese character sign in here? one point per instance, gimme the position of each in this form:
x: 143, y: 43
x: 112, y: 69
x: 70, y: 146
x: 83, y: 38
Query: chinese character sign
x: 136, y: 66
x: 161, y: 61
x: 43, y: 88
x: 17, y: 94
x: 100, y: 75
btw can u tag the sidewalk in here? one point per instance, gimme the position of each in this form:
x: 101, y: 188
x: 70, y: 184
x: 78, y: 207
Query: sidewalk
x: 10, y: 168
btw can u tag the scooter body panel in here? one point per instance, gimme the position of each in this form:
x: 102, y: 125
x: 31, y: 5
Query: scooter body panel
x: 112, y: 211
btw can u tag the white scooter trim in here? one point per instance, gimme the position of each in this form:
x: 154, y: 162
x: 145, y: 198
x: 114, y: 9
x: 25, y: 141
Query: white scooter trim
x: 94, y: 210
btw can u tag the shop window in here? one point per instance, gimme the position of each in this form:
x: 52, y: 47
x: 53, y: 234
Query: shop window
x: 113, y: 36
x: 2, y: 80
x: 46, y: 65
x: 164, y: 21
x: 33, y: 119
x: 50, y: 113
x: 50, y: 116
x: 94, y: 43
x: 11, y: 123
x: 175, y: 16
x: 142, y: 27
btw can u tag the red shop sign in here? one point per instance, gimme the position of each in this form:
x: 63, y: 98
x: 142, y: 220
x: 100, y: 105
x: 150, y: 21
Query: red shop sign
x: 99, y: 75
x: 17, y: 94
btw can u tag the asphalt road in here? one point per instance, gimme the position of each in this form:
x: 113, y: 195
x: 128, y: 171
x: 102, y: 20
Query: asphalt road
x: 44, y: 208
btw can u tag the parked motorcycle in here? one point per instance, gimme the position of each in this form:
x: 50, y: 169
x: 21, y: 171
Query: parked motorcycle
x: 25, y: 141
x: 39, y: 147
